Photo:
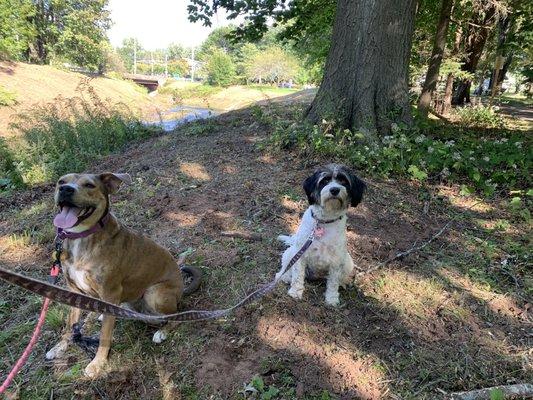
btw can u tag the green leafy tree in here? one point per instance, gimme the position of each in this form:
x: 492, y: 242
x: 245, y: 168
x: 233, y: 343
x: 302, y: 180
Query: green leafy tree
x: 271, y: 65
x: 220, y: 38
x: 82, y: 37
x: 16, y: 31
x: 176, y: 51
x: 127, y: 52
x: 178, y: 67
x: 220, y: 69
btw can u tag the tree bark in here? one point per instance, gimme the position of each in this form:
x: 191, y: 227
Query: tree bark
x: 365, y: 80
x: 448, y: 91
x: 476, y: 38
x: 439, y: 45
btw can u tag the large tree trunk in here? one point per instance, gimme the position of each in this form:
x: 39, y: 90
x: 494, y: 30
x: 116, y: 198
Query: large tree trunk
x: 476, y: 38
x: 365, y: 79
x: 432, y: 75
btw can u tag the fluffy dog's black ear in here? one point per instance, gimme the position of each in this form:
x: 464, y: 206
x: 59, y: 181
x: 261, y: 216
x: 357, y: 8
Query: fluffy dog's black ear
x: 310, y: 188
x: 357, y: 189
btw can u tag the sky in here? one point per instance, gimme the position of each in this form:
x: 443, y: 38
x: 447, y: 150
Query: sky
x: 157, y: 23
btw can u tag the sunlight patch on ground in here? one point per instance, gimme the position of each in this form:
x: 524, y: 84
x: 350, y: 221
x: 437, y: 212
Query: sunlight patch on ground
x: 465, y: 203
x: 195, y: 171
x: 499, y: 304
x: 347, y: 370
x: 183, y: 218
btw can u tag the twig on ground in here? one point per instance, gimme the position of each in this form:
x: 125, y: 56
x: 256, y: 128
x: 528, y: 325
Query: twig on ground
x: 519, y: 391
x: 254, y: 237
x: 414, y: 248
x: 404, y: 254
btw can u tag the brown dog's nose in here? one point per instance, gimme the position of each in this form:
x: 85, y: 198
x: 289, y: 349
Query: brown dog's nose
x: 335, y: 191
x: 66, y: 190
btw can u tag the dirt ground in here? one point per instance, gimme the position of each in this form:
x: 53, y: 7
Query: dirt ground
x: 442, y: 320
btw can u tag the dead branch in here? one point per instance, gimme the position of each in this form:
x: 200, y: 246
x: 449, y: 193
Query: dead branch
x: 414, y: 248
x: 403, y: 254
x: 519, y: 391
x: 253, y: 237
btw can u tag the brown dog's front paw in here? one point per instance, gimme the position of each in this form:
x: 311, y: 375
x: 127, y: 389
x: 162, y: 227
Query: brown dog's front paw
x: 94, y: 368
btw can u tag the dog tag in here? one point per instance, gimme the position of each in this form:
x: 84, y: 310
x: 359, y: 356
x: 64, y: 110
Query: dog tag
x: 319, y: 232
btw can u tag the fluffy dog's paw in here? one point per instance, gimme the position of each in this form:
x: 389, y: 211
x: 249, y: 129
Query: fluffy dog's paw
x: 295, y: 294
x: 94, y: 368
x: 57, y: 351
x: 159, y: 336
x: 286, y: 278
x: 332, y: 301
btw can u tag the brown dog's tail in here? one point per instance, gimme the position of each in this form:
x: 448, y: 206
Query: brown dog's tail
x: 192, y: 277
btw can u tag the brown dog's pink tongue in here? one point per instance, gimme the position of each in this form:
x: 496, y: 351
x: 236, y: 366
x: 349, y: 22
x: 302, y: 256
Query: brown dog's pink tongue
x: 67, y: 218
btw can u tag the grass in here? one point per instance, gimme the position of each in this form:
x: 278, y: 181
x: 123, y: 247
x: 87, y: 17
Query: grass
x: 27, y: 83
x: 65, y: 136
x: 516, y: 99
x: 7, y: 98
x: 449, y: 318
x: 181, y: 90
x: 219, y: 98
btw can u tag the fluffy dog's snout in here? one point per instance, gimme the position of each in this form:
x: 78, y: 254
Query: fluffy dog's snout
x: 335, y: 191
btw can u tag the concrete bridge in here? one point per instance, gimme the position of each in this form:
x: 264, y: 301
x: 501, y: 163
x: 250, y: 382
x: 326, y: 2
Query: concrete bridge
x: 151, y: 82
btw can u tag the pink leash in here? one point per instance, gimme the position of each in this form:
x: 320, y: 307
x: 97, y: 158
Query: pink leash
x: 33, y: 341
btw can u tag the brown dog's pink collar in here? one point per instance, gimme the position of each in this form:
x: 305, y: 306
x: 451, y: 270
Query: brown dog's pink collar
x: 62, y: 234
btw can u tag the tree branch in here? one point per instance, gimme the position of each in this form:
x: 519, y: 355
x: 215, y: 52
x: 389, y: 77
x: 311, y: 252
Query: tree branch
x: 522, y: 391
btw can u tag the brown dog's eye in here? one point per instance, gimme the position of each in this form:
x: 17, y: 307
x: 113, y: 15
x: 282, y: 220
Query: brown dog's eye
x: 89, y: 185
x: 61, y: 182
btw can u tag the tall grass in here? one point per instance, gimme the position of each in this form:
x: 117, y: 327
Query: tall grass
x: 68, y: 134
x: 7, y: 98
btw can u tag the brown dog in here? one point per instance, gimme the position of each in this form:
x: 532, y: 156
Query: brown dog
x: 104, y: 259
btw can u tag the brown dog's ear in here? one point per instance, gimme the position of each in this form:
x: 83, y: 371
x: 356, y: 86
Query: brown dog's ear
x: 112, y: 182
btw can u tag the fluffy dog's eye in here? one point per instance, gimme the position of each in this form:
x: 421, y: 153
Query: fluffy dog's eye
x: 342, y: 180
x: 61, y: 182
x: 89, y: 185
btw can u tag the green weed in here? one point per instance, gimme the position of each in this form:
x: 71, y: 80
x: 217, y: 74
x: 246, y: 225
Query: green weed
x: 7, y: 98
x: 65, y: 136
x: 423, y: 153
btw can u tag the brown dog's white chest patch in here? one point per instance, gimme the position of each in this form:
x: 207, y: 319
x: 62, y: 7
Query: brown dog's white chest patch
x: 79, y: 279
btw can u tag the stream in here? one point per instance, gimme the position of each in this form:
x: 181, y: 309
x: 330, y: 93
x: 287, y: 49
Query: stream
x: 179, y: 115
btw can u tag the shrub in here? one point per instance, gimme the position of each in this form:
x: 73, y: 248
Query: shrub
x: 7, y: 98
x: 480, y: 116
x: 66, y: 135
x: 481, y: 163
x: 9, y: 174
x: 220, y: 69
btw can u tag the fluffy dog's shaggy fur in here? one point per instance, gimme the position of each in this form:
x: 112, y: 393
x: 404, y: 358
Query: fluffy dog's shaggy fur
x: 331, y: 191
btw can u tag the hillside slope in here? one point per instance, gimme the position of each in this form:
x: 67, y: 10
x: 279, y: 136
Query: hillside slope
x: 42, y: 83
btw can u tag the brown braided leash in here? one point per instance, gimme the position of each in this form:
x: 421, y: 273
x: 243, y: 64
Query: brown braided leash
x: 89, y: 303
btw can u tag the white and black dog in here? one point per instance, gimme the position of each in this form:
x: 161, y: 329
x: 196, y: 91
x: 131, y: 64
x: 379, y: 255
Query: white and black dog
x: 330, y: 191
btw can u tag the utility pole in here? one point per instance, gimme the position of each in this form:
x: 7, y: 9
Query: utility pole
x: 193, y: 65
x: 135, y: 56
